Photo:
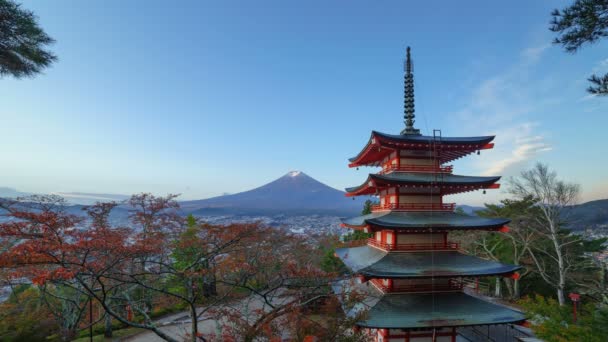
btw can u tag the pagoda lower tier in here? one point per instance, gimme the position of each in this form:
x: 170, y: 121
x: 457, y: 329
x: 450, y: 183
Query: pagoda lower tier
x: 371, y: 262
x: 423, y: 222
x: 401, y: 313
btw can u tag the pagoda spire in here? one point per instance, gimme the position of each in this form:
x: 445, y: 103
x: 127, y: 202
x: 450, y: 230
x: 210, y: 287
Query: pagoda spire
x: 408, y: 103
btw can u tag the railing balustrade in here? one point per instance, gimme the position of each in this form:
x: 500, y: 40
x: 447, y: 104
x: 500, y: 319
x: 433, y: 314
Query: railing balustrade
x: 413, y: 246
x: 415, y: 206
x: 416, y: 168
x: 452, y: 285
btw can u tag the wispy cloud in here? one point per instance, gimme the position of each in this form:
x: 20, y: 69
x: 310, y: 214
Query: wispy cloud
x: 526, y: 145
x: 534, y: 53
x: 504, y: 105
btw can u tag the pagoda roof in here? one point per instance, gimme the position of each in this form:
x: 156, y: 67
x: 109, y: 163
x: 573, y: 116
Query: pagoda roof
x: 424, y: 310
x: 449, y: 184
x: 424, y: 220
x: 382, y: 144
x: 375, y: 263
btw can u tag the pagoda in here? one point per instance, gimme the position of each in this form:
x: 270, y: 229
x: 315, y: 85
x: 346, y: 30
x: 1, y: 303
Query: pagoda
x: 410, y: 273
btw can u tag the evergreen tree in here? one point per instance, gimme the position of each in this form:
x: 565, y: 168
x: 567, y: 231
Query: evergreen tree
x: 585, y: 21
x: 367, y: 207
x: 23, y: 43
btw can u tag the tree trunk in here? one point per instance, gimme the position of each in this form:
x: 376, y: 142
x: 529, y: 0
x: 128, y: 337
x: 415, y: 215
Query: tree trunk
x: 108, y: 327
x: 194, y: 322
x: 516, y: 290
x: 509, y: 285
x: 560, y: 296
x: 560, y: 268
x: 497, y: 291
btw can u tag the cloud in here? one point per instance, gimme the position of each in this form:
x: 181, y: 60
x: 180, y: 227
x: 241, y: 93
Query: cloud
x: 533, y: 54
x: 504, y: 105
x: 526, y: 145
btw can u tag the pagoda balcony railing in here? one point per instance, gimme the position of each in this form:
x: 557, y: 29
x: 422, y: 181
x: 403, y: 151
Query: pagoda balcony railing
x: 441, y: 246
x: 417, y: 168
x: 415, y: 207
x: 452, y: 285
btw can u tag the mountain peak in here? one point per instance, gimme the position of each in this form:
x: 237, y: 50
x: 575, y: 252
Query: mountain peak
x: 294, y: 173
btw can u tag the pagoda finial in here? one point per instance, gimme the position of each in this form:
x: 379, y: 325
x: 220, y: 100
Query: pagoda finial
x: 408, y: 104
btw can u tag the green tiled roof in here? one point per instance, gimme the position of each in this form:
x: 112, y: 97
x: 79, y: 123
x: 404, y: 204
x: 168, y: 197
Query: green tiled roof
x: 426, y: 178
x: 372, y: 262
x: 425, y: 310
x: 425, y: 220
x: 435, y: 310
x: 481, y: 140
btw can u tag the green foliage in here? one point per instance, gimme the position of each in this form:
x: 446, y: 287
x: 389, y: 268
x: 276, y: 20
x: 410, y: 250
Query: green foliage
x: 460, y: 211
x: 367, y: 207
x: 191, y: 221
x: 554, y: 323
x: 583, y: 22
x: 332, y: 264
x: 356, y: 235
x: 22, y: 42
x: 24, y: 317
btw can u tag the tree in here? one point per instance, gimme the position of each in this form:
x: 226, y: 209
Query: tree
x: 99, y: 261
x: 24, y: 316
x: 583, y: 22
x: 511, y: 247
x: 554, y: 323
x: 210, y: 270
x: 554, y: 259
x: 23, y: 43
x: 367, y: 207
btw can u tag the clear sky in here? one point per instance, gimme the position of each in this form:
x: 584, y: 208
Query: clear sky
x: 206, y: 97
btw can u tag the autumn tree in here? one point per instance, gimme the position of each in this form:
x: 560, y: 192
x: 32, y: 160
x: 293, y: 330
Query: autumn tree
x: 583, y: 22
x: 124, y: 270
x: 58, y: 248
x: 23, y: 43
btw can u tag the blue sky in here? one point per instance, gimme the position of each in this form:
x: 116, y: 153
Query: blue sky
x: 202, y: 98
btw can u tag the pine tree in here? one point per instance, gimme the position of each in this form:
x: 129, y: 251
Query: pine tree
x: 23, y: 43
x: 583, y: 22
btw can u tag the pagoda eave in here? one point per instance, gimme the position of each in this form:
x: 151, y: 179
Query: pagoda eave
x: 436, y: 184
x: 449, y: 309
x: 423, y: 221
x: 372, y: 262
x: 380, y: 144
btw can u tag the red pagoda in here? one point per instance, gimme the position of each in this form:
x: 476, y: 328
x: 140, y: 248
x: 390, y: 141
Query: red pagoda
x: 410, y: 272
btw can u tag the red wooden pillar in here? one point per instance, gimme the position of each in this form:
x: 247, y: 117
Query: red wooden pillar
x: 453, y: 334
x: 390, y: 284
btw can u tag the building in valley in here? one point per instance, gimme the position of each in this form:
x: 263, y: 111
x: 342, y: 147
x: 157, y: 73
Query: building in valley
x: 409, y: 272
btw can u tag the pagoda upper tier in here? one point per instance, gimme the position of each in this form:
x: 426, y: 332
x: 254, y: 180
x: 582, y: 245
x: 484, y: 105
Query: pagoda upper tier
x: 422, y: 183
x: 443, y: 149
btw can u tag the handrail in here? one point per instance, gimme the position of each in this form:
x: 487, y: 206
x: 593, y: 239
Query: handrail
x: 416, y: 168
x: 415, y: 206
x: 452, y: 285
x: 413, y: 246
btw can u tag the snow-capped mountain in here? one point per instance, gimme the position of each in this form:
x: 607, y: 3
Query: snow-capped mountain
x: 293, y: 192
